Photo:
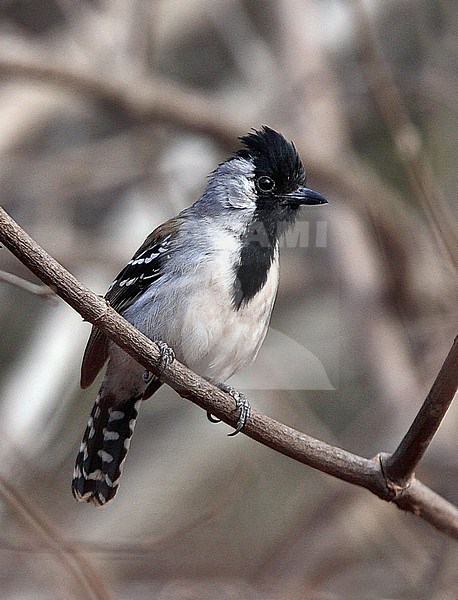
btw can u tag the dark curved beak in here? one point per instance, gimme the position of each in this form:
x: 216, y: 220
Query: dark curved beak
x: 305, y: 196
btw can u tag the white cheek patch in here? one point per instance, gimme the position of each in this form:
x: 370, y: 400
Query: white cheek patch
x: 240, y: 190
x: 250, y: 191
x: 243, y: 195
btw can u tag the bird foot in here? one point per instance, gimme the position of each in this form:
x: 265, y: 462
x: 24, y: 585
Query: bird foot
x: 241, y: 404
x: 167, y: 355
x: 166, y: 358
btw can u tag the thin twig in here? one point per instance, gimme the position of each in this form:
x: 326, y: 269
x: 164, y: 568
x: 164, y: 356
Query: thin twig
x: 367, y: 473
x: 400, y: 466
x: 28, y: 286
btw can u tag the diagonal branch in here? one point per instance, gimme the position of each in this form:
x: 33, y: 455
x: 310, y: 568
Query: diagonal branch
x: 367, y: 473
x: 400, y: 466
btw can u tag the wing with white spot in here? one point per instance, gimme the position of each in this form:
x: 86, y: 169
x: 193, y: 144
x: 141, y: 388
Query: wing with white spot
x: 145, y: 267
x: 141, y: 271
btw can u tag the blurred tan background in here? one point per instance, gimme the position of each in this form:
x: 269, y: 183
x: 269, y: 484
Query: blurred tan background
x: 112, y: 114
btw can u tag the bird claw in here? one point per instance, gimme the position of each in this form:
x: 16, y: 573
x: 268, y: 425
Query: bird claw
x: 167, y: 355
x: 147, y: 376
x: 241, y: 404
x: 166, y: 358
x: 212, y: 419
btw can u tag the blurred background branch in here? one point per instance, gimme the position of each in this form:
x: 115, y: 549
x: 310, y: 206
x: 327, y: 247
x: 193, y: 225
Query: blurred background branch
x: 28, y: 286
x: 405, y: 136
x: 88, y: 582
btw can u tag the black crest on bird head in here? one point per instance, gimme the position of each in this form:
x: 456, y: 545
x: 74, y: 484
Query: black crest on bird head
x: 275, y: 157
x: 277, y: 161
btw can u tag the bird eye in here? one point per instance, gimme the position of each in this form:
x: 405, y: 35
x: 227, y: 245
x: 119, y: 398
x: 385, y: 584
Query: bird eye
x: 265, y: 184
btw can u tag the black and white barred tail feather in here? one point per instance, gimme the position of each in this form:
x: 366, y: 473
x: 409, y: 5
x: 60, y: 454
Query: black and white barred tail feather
x: 104, y: 449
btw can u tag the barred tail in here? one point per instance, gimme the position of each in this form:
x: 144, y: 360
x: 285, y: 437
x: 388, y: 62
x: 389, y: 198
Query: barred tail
x: 103, y: 450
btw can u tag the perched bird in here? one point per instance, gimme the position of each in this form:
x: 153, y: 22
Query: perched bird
x: 202, y: 286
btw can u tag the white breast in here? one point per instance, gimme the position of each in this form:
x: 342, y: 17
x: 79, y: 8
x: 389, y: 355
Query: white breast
x: 193, y: 313
x: 217, y: 340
